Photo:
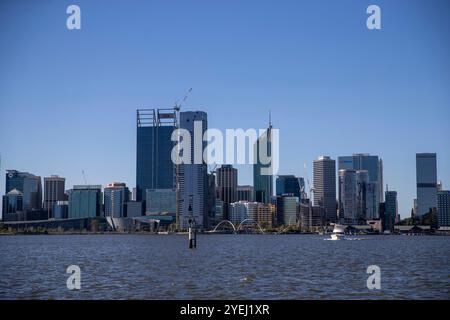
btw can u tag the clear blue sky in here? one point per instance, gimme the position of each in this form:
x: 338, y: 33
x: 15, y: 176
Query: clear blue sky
x: 68, y: 98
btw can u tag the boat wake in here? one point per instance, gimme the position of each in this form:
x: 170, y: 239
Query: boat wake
x: 344, y: 238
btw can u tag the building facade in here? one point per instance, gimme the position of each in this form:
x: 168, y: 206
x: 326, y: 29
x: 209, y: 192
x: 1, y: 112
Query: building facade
x: 287, y: 209
x: 61, y: 210
x: 262, y: 180
x: 85, y: 201
x: 54, y: 191
x: 288, y: 184
x: 245, y: 193
x: 227, y: 187
x: 324, y: 176
x: 193, y: 178
x: 116, y: 195
x: 29, y: 185
x: 347, y: 196
x: 426, y: 178
x: 373, y: 165
x: 13, y: 206
x: 390, y: 210
x: 311, y: 218
x: 154, y: 166
x: 161, y: 202
x: 443, y: 198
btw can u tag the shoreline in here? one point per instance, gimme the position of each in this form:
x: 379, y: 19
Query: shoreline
x: 69, y: 233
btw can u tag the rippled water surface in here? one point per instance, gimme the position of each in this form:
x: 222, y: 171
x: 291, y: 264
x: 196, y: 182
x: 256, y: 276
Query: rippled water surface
x: 224, y: 267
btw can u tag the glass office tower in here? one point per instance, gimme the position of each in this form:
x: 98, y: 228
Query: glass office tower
x: 288, y: 184
x: 426, y: 178
x: 263, y: 184
x: 373, y: 165
x: 193, y: 178
x: 30, y: 186
x: 154, y: 166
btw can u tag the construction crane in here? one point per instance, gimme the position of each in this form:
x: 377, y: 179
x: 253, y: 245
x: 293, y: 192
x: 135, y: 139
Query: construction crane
x: 310, y: 189
x: 178, y: 103
x: 84, y: 177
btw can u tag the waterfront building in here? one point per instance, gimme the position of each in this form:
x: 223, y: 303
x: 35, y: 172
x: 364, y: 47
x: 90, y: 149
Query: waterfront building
x: 287, y: 209
x: 257, y: 212
x: 13, y: 206
x: 288, y: 184
x: 362, y: 180
x: 366, y: 197
x: 218, y: 214
x: 211, y: 200
x: 85, y: 201
x: 266, y: 215
x: 193, y: 178
x: 227, y: 186
x: 29, y: 185
x: 311, y: 218
x: 61, y: 210
x: 373, y: 165
x: 239, y: 211
x: 426, y: 178
x: 443, y: 200
x: 324, y: 173
x: 161, y: 202
x: 245, y: 193
x: 116, y: 195
x: 347, y: 196
x: 135, y: 209
x: 54, y: 191
x: 263, y: 183
x: 390, y: 210
x: 154, y: 166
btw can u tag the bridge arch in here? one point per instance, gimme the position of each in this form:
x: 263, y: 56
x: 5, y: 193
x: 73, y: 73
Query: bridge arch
x: 251, y: 220
x: 225, y: 222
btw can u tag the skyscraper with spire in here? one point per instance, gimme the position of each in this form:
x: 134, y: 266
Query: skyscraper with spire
x: 263, y: 183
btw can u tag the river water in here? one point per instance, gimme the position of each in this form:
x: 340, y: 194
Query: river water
x: 224, y: 267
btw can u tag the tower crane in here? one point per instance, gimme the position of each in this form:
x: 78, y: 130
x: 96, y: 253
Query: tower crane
x: 84, y: 177
x: 310, y: 189
x: 179, y: 103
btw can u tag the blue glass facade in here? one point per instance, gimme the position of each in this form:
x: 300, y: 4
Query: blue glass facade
x: 154, y: 166
x: 85, y: 202
x: 288, y: 184
x: 263, y: 184
x: 29, y: 185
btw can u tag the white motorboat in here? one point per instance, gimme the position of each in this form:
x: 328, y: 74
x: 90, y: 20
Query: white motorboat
x: 338, y: 232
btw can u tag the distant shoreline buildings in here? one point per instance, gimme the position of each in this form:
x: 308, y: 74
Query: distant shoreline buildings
x: 169, y: 196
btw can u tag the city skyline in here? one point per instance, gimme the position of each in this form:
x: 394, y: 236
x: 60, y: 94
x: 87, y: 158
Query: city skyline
x: 376, y: 97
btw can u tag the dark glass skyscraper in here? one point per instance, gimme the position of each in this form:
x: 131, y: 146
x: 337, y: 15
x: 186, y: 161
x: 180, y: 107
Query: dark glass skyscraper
x: 227, y: 178
x: 426, y: 178
x: 29, y: 185
x: 263, y: 184
x: 324, y: 172
x: 154, y: 166
x: 288, y: 184
x: 54, y: 191
x: 391, y: 210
